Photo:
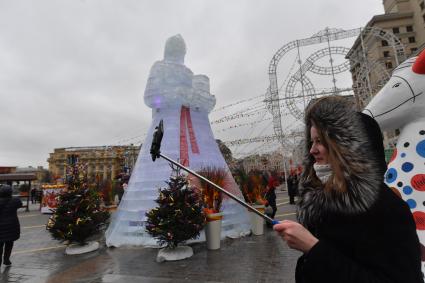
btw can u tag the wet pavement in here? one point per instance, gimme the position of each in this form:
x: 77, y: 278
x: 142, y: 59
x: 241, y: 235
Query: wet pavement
x: 38, y: 258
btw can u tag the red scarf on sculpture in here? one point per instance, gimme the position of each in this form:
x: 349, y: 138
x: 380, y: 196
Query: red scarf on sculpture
x: 185, y: 125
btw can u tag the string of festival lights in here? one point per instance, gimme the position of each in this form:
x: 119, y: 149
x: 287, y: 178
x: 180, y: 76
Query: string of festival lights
x: 237, y: 103
x: 242, y: 125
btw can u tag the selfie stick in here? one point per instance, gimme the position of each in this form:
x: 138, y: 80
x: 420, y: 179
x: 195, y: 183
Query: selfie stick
x: 156, y: 153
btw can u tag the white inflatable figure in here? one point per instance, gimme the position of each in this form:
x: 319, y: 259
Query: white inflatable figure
x: 401, y: 105
x: 183, y: 101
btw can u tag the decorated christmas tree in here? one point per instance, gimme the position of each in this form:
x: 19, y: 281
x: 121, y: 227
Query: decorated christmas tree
x: 179, y: 215
x: 78, y: 215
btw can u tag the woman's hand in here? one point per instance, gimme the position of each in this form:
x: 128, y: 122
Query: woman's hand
x: 296, y: 236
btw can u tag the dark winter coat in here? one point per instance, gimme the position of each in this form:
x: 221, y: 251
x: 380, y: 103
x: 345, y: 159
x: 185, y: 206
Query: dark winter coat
x: 366, y: 234
x: 270, y: 196
x: 292, y: 186
x: 289, y: 184
x: 9, y: 223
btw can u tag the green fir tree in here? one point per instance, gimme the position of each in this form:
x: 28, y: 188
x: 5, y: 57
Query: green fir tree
x: 179, y: 215
x: 78, y: 215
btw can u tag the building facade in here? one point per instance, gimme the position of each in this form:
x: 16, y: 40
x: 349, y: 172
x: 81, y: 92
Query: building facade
x: 265, y: 162
x: 103, y: 162
x: 373, y: 55
x: 417, y: 8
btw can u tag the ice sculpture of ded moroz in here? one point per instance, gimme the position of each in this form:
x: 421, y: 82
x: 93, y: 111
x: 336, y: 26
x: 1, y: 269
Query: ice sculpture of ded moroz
x: 183, y: 101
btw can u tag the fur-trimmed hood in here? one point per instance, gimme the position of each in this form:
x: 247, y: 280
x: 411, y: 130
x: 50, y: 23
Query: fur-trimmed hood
x: 342, y: 124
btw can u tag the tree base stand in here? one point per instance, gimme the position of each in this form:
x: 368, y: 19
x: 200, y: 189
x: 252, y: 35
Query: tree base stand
x: 76, y: 249
x: 167, y: 254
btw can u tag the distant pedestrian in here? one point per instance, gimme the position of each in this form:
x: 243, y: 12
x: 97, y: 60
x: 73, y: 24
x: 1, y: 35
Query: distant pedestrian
x: 33, y: 195
x: 9, y: 223
x: 288, y: 182
x: 292, y: 184
x: 295, y: 183
x: 270, y: 195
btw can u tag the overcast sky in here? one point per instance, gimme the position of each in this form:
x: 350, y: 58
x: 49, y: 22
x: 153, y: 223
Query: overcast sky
x: 73, y: 73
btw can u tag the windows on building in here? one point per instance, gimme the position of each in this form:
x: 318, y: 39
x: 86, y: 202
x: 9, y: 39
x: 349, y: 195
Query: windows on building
x: 409, y: 28
x: 422, y: 5
x: 386, y: 54
x: 388, y: 65
x: 384, y: 43
x: 413, y: 50
x: 396, y: 30
x: 412, y: 39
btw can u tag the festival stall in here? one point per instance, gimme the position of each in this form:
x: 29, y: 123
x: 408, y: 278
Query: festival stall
x: 50, y: 192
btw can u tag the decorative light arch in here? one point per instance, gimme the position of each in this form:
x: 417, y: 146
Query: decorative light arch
x: 272, y: 97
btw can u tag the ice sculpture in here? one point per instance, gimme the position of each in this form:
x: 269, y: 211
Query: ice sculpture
x: 183, y: 101
x: 401, y: 105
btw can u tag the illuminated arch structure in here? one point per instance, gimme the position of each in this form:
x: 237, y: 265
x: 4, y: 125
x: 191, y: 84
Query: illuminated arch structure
x: 362, y: 88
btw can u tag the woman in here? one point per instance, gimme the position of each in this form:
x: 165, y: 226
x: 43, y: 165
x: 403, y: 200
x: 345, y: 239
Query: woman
x: 9, y: 223
x: 352, y: 227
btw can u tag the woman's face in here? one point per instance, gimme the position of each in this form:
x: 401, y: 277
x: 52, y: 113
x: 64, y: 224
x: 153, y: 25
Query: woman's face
x: 318, y: 150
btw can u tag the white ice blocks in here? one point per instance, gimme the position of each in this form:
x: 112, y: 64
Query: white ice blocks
x: 183, y: 102
x: 172, y: 84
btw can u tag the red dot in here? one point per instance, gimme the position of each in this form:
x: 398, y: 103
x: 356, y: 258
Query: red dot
x: 418, y: 182
x: 419, y: 217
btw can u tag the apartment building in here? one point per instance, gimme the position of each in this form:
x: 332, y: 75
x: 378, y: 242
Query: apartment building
x: 376, y: 52
x: 103, y: 162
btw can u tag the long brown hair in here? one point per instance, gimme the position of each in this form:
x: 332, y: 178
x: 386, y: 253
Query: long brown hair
x: 337, y: 181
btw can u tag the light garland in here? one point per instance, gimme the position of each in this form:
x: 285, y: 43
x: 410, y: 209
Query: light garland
x: 243, y: 125
x: 236, y: 103
x: 261, y: 139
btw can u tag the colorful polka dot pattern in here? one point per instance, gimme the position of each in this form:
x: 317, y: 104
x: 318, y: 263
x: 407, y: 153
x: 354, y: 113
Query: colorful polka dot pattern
x: 406, y: 169
x: 406, y: 173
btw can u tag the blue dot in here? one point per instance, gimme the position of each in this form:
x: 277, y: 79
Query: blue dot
x: 407, y: 167
x: 420, y: 148
x: 407, y: 190
x: 411, y: 203
x: 403, y: 155
x: 391, y: 175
